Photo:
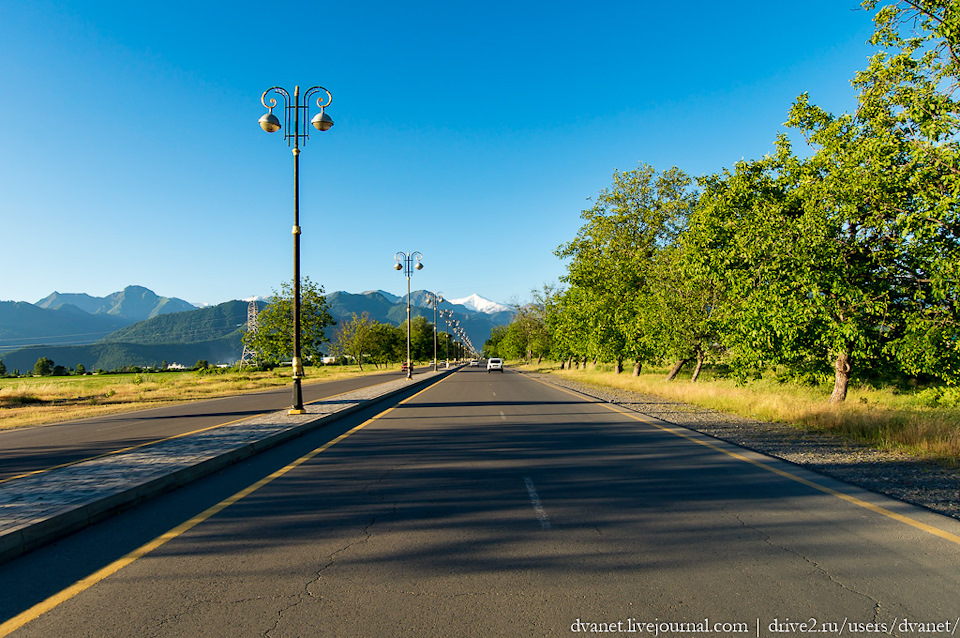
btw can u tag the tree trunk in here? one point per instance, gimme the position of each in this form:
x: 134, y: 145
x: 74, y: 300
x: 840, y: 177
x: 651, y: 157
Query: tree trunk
x: 636, y: 369
x: 618, y: 366
x: 676, y: 369
x: 696, y: 371
x: 539, y: 358
x: 841, y: 378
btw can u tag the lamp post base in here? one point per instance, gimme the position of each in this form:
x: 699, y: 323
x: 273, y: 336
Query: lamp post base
x: 297, y: 392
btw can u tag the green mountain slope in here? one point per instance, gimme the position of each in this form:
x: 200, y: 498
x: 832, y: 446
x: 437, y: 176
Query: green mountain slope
x: 23, y: 324
x: 201, y: 324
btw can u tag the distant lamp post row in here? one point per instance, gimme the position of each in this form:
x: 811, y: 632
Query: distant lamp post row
x: 446, y: 315
x: 405, y: 262
x: 435, y: 299
x: 293, y: 109
x: 453, y: 327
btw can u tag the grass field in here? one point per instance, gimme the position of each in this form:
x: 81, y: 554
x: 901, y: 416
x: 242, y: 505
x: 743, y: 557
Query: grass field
x: 40, y: 400
x: 923, y: 422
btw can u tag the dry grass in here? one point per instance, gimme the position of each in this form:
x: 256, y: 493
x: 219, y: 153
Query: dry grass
x: 885, y: 417
x: 36, y: 401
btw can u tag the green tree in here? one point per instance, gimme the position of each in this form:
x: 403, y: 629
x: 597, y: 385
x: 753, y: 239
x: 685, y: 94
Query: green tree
x: 387, y: 343
x: 614, y: 255
x: 81, y: 370
x: 909, y: 100
x: 678, y: 314
x: 354, y: 338
x: 3, y: 369
x: 571, y: 325
x: 43, y: 367
x: 492, y: 346
x: 528, y: 335
x: 850, y: 257
x: 273, y: 338
x: 775, y: 263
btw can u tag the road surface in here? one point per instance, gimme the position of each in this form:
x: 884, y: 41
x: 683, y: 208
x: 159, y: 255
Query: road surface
x: 495, y: 505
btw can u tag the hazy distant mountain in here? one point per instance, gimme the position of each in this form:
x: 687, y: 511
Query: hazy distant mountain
x: 23, y: 324
x: 99, y: 332
x: 480, y: 304
x: 83, y: 301
x: 343, y: 304
x: 386, y: 308
x: 132, y: 304
x: 390, y: 297
x: 211, y: 333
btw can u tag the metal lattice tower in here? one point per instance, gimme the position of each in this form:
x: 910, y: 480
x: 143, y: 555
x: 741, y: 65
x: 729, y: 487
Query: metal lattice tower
x: 249, y: 356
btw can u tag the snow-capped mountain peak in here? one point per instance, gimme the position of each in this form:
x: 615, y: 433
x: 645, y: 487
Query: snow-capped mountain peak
x: 480, y: 304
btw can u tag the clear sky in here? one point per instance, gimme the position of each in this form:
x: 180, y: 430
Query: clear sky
x: 473, y: 132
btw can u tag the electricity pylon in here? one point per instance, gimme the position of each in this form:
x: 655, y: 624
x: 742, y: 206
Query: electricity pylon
x: 249, y: 356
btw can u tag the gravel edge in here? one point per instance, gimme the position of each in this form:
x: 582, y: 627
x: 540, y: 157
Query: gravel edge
x: 894, y: 474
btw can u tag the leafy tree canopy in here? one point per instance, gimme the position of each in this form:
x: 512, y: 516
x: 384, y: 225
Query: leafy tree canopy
x: 273, y: 338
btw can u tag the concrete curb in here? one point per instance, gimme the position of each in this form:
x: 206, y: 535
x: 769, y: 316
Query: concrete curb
x: 59, y: 520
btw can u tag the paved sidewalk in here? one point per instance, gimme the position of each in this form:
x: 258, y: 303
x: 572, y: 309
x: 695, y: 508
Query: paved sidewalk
x: 40, y: 508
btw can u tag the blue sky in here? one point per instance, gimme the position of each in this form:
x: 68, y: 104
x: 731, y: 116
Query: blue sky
x: 471, y: 132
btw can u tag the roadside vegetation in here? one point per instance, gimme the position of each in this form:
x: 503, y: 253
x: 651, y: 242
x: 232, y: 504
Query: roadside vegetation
x: 841, y: 258
x: 921, y: 421
x: 818, y: 285
x: 27, y: 401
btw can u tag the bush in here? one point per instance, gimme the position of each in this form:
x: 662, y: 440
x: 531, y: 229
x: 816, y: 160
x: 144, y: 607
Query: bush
x: 940, y: 397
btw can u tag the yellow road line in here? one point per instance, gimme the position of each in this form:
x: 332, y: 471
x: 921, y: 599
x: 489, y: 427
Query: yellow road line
x: 154, y: 442
x: 83, y: 584
x: 930, y: 529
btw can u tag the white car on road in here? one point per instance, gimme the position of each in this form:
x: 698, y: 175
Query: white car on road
x: 494, y: 364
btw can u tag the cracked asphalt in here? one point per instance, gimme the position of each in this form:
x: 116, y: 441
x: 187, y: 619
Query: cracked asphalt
x: 429, y: 521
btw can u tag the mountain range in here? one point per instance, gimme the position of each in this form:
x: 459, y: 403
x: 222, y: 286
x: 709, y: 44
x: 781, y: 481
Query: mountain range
x: 133, y: 303
x: 136, y: 327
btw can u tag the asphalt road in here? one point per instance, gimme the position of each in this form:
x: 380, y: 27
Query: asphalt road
x: 493, y: 505
x: 37, y: 448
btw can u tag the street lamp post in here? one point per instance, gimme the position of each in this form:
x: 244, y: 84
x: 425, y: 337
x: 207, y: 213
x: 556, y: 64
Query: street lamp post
x: 271, y: 124
x: 405, y: 263
x: 435, y: 298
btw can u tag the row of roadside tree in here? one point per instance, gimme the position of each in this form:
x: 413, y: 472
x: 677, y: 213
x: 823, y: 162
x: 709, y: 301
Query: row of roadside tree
x: 842, y: 260
x: 363, y: 340
x: 359, y: 340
